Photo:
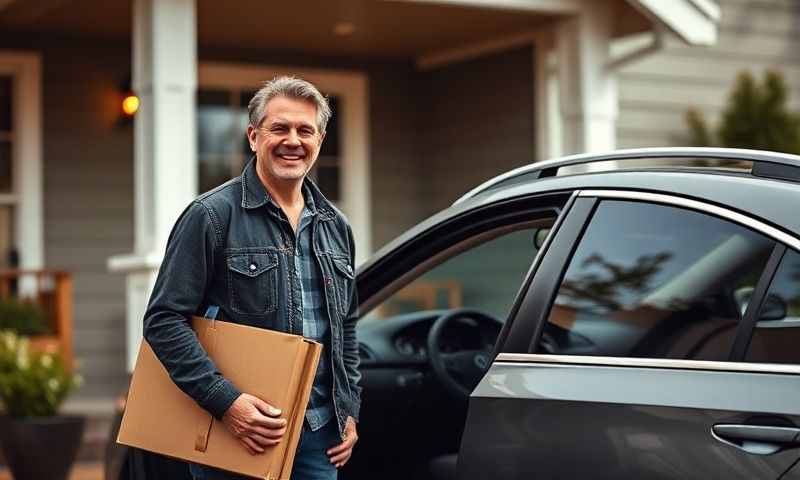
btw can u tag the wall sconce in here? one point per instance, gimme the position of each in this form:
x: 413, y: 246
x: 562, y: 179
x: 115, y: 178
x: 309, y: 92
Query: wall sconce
x: 130, y: 104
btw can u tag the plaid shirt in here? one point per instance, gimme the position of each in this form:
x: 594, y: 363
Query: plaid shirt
x: 315, y: 320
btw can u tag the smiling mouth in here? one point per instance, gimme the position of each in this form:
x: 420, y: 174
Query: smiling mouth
x: 291, y: 157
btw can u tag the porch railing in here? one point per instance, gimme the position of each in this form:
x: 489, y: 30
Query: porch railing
x: 51, y: 290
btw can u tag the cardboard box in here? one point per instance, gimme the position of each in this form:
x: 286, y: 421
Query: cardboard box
x: 278, y: 368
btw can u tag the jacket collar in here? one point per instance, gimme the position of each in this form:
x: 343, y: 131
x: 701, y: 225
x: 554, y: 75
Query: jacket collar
x: 254, y: 195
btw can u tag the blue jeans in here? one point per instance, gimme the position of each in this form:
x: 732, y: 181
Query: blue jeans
x: 310, y: 462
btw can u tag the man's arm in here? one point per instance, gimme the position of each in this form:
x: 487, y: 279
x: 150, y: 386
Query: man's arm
x: 340, y: 454
x: 185, y: 273
x: 178, y: 294
x: 350, y: 347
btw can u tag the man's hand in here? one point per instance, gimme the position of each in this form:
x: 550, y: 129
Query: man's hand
x: 341, y: 453
x: 255, y: 423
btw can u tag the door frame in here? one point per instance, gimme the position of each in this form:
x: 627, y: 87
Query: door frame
x: 352, y: 88
x: 524, y: 334
x: 408, y: 256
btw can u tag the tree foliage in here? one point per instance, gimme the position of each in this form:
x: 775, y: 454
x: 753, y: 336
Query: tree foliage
x: 757, y: 116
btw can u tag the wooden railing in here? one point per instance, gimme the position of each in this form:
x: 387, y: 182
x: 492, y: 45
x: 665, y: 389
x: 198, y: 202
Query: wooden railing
x: 51, y: 290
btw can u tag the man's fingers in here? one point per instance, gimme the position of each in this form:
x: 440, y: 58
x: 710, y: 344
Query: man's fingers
x: 341, y: 457
x: 346, y: 445
x: 266, y: 408
x: 268, y: 432
x: 251, y: 446
x: 269, y: 422
x: 262, y: 441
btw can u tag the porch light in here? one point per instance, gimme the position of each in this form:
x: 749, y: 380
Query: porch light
x: 130, y: 105
x: 344, y: 29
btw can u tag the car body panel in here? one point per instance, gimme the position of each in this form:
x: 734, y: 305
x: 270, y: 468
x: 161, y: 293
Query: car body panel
x: 550, y: 420
x: 530, y: 418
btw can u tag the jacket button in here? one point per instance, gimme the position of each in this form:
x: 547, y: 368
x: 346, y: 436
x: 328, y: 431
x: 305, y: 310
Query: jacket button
x: 253, y: 266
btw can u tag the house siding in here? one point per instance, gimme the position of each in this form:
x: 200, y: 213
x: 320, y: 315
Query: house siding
x: 476, y: 121
x: 655, y: 92
x: 88, y: 201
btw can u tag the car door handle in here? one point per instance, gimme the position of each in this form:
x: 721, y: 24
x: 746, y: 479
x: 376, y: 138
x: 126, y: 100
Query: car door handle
x: 756, y: 439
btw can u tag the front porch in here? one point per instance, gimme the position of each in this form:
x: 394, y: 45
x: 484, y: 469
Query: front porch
x: 433, y: 98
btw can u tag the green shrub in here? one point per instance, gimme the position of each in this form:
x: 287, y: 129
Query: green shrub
x: 32, y: 383
x: 22, y: 318
x: 757, y: 116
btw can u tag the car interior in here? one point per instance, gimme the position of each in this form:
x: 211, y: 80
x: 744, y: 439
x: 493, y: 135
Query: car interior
x: 425, y: 342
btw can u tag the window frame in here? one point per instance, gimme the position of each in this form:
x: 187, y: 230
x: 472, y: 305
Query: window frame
x: 397, y: 265
x: 352, y: 90
x: 535, y: 312
x: 26, y: 197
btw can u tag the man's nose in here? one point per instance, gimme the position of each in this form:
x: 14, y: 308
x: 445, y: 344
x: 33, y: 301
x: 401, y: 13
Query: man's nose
x: 293, y: 139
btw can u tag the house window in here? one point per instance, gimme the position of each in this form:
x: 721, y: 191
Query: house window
x: 223, y: 149
x: 8, y: 199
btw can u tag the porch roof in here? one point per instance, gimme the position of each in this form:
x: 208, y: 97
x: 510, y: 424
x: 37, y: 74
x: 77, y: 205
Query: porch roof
x: 360, y: 28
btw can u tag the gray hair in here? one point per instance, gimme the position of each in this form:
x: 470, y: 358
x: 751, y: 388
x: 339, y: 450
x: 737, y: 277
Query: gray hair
x: 290, y: 87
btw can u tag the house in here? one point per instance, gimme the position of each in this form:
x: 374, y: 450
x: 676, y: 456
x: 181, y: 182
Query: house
x: 430, y: 98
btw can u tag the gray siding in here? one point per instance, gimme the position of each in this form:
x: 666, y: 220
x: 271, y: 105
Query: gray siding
x: 396, y: 161
x: 475, y: 121
x: 656, y: 91
x: 88, y: 200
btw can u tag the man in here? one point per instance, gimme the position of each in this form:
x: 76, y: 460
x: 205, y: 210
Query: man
x: 271, y: 252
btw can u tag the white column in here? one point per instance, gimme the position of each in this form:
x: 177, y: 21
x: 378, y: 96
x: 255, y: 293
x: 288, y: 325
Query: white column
x: 587, y: 86
x: 165, y: 149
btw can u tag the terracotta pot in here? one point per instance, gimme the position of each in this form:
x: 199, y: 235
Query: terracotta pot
x: 41, y: 447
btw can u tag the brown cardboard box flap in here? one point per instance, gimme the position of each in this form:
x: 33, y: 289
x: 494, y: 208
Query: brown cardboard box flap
x: 276, y: 367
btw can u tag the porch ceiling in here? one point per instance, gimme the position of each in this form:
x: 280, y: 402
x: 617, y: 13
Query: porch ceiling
x: 380, y: 28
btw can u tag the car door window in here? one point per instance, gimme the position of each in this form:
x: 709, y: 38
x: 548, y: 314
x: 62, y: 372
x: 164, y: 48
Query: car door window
x: 649, y: 280
x: 483, y: 275
x: 777, y: 332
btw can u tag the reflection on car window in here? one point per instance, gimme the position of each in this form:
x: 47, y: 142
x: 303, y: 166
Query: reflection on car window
x: 486, y: 277
x: 777, y: 333
x: 654, y: 281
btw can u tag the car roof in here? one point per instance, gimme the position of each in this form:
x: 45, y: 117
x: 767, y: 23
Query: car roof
x: 764, y: 164
x: 774, y: 201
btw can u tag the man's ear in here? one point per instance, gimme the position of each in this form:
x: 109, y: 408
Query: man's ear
x: 251, y: 137
x: 322, y: 138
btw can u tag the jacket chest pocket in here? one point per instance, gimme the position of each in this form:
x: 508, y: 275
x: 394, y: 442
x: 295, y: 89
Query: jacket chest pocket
x: 253, y: 282
x: 344, y: 281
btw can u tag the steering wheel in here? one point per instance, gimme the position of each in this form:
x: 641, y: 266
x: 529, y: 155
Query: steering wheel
x: 459, y: 372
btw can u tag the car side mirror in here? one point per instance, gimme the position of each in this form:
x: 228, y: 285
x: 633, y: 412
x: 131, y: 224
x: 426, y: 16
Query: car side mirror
x: 773, y: 308
x: 539, y: 236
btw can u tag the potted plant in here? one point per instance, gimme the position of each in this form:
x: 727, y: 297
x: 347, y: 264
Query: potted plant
x: 37, y: 442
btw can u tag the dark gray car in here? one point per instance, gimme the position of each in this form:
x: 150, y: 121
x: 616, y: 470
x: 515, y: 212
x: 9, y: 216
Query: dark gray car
x: 633, y: 320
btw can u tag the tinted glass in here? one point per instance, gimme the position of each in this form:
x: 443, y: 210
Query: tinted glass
x: 221, y: 130
x: 6, y: 167
x: 654, y: 281
x: 6, y: 235
x: 486, y: 277
x: 6, y: 94
x: 777, y: 334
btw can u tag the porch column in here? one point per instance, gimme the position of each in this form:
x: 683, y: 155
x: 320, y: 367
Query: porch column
x: 587, y: 86
x: 165, y: 150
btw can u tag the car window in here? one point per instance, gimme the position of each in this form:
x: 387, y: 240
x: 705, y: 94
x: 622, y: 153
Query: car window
x: 655, y: 281
x: 777, y: 333
x: 485, y: 276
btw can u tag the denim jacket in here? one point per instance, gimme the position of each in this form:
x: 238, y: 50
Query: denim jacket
x: 229, y: 249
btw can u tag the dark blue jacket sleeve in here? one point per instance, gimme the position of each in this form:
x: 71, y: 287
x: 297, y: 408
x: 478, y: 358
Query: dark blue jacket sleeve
x: 350, y: 347
x: 178, y: 294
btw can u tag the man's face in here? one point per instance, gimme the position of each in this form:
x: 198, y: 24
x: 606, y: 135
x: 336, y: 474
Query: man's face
x: 287, y: 142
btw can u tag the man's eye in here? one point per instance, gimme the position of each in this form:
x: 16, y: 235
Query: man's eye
x: 278, y: 129
x: 305, y: 132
